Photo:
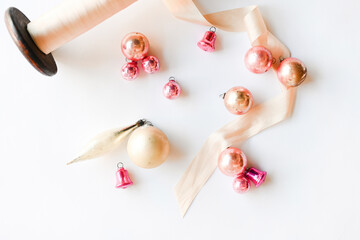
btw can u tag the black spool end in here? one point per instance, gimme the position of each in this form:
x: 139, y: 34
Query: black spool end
x: 16, y: 23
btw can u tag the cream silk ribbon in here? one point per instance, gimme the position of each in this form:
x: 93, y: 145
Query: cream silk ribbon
x: 262, y: 116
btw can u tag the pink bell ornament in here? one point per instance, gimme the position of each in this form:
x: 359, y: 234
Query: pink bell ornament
x: 258, y: 59
x: 256, y: 176
x: 150, y: 64
x: 207, y: 43
x: 172, y: 89
x: 122, y: 177
x: 130, y: 70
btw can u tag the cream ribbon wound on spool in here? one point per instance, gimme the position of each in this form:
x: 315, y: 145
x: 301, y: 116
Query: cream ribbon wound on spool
x: 70, y: 19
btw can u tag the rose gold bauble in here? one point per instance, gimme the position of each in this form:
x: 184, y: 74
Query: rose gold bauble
x: 238, y: 100
x: 258, y: 59
x: 291, y: 72
x: 148, y: 147
x: 232, y: 161
x: 135, y: 46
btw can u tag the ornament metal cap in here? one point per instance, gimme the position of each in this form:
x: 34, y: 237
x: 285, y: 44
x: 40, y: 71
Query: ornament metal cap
x: 122, y: 177
x: 256, y: 176
x: 207, y: 43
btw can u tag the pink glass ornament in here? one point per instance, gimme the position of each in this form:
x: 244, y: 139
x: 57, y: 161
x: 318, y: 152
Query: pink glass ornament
x: 135, y: 46
x: 232, y: 161
x: 130, y: 71
x: 171, y: 89
x: 241, y: 184
x: 258, y: 59
x: 256, y: 176
x: 291, y: 72
x: 207, y: 43
x: 150, y: 64
x: 238, y: 100
x: 122, y: 177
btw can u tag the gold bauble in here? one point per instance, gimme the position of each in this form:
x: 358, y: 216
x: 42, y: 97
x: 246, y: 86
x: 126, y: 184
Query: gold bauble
x: 148, y: 147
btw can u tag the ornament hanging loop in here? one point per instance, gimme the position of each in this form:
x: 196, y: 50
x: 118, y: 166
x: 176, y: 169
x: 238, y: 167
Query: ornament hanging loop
x: 120, y: 165
x: 212, y: 29
x: 171, y: 78
x: 145, y: 122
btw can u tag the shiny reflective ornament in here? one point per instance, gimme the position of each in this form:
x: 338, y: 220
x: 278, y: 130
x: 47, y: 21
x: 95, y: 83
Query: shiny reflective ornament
x: 122, y: 177
x: 130, y: 71
x: 238, y: 100
x: 106, y: 142
x: 241, y: 184
x: 148, y: 147
x: 207, y: 43
x: 258, y: 59
x: 291, y: 72
x: 135, y: 46
x: 150, y: 64
x: 232, y: 161
x: 256, y: 176
x: 172, y: 89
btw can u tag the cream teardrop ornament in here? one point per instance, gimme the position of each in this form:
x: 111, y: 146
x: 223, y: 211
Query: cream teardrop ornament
x: 148, y: 147
x: 105, y: 142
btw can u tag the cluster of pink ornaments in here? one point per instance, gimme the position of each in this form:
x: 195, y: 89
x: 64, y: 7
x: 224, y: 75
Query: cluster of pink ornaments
x: 258, y: 59
x: 233, y: 162
x: 135, y: 46
x: 239, y: 100
x: 291, y: 73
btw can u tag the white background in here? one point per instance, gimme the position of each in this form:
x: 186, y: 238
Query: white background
x: 312, y: 159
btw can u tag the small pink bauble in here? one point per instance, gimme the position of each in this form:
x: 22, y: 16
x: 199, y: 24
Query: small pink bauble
x: 291, y: 72
x: 232, y: 161
x: 150, y: 64
x: 171, y: 89
x: 130, y: 71
x: 258, y: 59
x: 238, y: 100
x: 241, y: 184
x: 135, y: 46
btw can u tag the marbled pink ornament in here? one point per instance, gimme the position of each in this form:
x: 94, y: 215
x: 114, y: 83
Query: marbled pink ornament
x: 130, y: 71
x: 258, y: 59
x: 150, y: 64
x: 232, y: 161
x: 241, y: 184
x: 172, y: 89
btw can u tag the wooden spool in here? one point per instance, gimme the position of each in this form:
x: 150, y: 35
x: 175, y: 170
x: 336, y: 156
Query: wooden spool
x: 16, y: 23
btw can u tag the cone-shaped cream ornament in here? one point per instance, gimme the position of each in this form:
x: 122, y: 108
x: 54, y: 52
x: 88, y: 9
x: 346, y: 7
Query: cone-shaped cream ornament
x: 106, y: 141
